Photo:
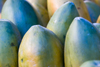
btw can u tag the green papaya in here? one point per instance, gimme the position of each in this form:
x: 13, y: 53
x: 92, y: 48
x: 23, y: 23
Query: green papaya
x: 61, y: 20
x: 9, y: 42
x: 40, y: 48
x: 41, y: 12
x: 21, y: 13
x: 93, y: 9
x: 82, y: 43
x: 97, y: 25
x: 91, y: 63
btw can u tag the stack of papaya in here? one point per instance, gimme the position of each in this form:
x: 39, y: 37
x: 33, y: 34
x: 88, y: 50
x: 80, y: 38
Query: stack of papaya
x: 50, y: 33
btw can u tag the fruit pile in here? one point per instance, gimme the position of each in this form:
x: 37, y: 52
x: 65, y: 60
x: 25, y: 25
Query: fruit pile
x: 50, y: 33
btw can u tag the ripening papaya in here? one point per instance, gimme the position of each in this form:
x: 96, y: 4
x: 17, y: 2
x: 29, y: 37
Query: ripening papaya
x: 97, y: 25
x: 9, y: 42
x: 93, y: 9
x: 82, y: 43
x: 41, y: 2
x: 53, y: 5
x: 41, y: 12
x: 40, y: 48
x: 61, y: 20
x: 91, y: 63
x: 21, y: 13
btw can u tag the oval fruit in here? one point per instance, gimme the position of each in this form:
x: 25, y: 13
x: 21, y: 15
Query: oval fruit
x: 61, y: 20
x: 9, y: 43
x: 40, y: 48
x: 82, y: 43
x: 21, y: 13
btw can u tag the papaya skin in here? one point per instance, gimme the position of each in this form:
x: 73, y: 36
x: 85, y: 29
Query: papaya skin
x: 22, y: 14
x: 61, y: 20
x: 41, y: 12
x: 40, y: 48
x: 9, y: 43
x: 82, y: 43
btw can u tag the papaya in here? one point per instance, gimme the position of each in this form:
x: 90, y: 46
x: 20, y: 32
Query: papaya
x: 53, y: 5
x: 9, y: 42
x: 82, y: 43
x: 91, y: 63
x: 41, y: 2
x: 93, y: 9
x: 98, y: 20
x: 61, y: 20
x: 97, y: 25
x: 41, y: 12
x: 21, y: 13
x: 40, y: 48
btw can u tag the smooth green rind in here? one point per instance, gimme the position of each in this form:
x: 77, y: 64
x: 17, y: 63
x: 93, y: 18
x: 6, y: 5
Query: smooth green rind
x: 97, y: 25
x: 92, y: 63
x: 21, y: 13
x: 40, y: 48
x: 61, y: 20
x: 82, y: 43
x: 93, y: 9
x: 9, y: 43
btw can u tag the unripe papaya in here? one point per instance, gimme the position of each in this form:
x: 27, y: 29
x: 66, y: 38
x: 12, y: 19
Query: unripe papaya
x: 40, y: 48
x: 61, y: 20
x: 94, y: 10
x: 82, y: 43
x: 21, y: 13
x: 9, y: 42
x: 91, y: 63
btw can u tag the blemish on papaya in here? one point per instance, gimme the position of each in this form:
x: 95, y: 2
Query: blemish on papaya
x: 21, y: 60
x: 12, y: 44
x: 78, y: 8
x: 64, y: 36
x: 8, y: 65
